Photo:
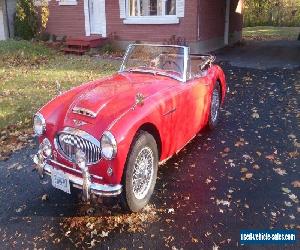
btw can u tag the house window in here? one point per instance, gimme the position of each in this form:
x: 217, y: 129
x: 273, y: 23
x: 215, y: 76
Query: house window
x: 152, y: 11
x: 151, y: 7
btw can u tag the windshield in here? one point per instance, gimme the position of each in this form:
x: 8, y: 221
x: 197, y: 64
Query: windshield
x: 156, y: 59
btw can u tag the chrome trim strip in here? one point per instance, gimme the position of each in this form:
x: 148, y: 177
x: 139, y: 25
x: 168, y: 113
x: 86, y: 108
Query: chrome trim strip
x: 74, y: 169
x: 169, y: 112
x: 96, y: 188
x: 185, y: 62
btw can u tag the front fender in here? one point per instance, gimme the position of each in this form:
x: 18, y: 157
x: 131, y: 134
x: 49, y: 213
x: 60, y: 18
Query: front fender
x: 125, y: 128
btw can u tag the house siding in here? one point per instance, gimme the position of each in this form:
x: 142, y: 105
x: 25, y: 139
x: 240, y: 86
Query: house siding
x: 66, y: 20
x: 205, y: 24
x: 236, y: 18
x: 212, y: 19
x: 187, y: 27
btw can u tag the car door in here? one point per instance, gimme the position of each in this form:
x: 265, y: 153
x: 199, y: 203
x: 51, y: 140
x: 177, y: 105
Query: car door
x: 192, y: 103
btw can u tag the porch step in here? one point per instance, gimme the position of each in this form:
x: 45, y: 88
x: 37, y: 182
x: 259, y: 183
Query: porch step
x: 82, y: 44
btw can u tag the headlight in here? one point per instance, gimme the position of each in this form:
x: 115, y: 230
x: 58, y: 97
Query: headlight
x: 39, y: 124
x: 108, y: 145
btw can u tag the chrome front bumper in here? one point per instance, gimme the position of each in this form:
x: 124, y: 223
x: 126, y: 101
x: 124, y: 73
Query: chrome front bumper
x: 44, y: 166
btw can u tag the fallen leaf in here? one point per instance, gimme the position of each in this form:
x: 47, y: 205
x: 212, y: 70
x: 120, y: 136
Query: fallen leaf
x: 292, y: 217
x: 270, y: 157
x: 194, y: 240
x: 248, y: 175
x: 19, y: 210
x: 296, y: 184
x: 255, y: 166
x: 207, y: 181
x: 226, y: 150
x: 288, y: 203
x: 286, y: 190
x: 223, y: 202
x: 280, y: 171
x: 171, y: 210
x: 292, y: 136
x: 243, y: 170
x: 44, y: 197
x: 104, y: 234
x: 67, y: 233
x: 294, y: 198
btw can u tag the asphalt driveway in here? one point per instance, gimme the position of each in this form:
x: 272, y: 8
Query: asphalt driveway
x: 244, y: 175
x: 263, y: 54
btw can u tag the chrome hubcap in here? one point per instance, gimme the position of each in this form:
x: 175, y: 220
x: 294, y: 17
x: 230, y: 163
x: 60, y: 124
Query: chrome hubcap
x: 215, y: 103
x: 142, y: 173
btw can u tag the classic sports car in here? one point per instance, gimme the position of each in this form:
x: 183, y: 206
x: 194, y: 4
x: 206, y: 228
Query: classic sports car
x: 107, y: 137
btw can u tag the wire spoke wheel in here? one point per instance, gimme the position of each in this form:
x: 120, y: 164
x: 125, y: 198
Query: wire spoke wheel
x: 142, y: 173
x: 215, y: 105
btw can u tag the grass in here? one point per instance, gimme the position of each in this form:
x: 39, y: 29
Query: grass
x: 270, y: 32
x: 28, y: 76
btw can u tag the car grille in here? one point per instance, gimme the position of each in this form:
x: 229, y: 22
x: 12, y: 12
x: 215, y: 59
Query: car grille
x: 68, y: 144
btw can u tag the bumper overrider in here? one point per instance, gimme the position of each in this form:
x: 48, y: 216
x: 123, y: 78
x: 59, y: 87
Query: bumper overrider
x: 45, y: 165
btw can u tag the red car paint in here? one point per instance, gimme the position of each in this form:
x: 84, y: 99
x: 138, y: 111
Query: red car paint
x: 175, y: 110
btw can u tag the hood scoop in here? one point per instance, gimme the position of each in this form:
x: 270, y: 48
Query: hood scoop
x: 84, y: 112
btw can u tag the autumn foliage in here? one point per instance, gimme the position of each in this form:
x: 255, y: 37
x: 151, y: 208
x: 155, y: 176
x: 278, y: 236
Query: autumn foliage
x: 30, y: 20
x: 271, y: 13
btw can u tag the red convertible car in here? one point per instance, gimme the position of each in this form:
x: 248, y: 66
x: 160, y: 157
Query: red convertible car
x: 107, y: 137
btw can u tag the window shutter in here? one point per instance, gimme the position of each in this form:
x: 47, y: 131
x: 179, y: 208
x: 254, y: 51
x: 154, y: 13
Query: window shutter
x: 122, y: 9
x: 180, y: 8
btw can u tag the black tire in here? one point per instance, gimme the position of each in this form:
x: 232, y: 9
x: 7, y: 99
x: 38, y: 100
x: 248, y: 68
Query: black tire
x: 213, y: 117
x: 143, y: 143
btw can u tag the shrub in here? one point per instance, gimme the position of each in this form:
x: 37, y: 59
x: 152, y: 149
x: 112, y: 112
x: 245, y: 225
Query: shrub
x: 26, y: 20
x: 44, y: 36
x: 111, y: 48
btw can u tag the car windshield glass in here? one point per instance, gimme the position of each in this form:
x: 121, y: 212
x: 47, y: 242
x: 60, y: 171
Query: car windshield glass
x: 154, y: 59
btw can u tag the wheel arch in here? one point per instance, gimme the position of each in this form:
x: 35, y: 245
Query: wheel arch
x: 152, y: 130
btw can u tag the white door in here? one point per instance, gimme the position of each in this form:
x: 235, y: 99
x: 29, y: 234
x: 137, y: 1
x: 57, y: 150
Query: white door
x: 97, y: 17
x: 2, y: 31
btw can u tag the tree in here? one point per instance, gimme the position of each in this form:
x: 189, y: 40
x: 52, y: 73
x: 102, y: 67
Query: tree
x: 272, y: 12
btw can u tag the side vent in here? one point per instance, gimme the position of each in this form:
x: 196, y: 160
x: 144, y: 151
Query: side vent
x: 85, y: 112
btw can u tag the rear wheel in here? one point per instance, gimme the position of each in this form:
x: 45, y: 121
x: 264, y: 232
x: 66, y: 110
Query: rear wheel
x: 140, y: 173
x: 214, y: 112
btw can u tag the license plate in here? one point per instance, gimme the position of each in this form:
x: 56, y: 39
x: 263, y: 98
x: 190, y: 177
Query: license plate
x: 60, y: 180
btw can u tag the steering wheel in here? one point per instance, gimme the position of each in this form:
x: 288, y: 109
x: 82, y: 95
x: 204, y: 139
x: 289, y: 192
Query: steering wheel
x: 170, y: 63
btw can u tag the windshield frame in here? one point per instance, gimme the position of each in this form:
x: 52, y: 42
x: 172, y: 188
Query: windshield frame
x: 185, y: 60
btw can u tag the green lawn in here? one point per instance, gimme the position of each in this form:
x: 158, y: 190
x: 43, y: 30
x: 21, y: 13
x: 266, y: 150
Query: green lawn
x: 28, y: 76
x: 270, y: 32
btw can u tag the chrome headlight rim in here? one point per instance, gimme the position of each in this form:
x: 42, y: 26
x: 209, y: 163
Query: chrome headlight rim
x: 43, y: 124
x: 107, y: 135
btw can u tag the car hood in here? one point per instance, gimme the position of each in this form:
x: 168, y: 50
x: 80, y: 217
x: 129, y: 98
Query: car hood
x: 103, y: 101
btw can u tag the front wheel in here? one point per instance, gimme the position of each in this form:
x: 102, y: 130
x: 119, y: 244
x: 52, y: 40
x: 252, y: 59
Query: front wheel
x: 140, y: 173
x: 214, y: 107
